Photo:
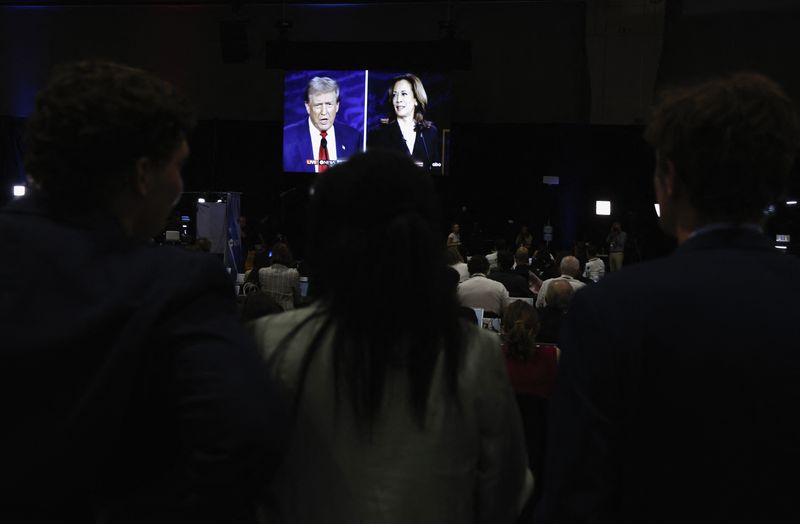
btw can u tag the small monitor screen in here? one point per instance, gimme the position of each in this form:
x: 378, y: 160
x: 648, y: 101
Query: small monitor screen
x: 331, y: 115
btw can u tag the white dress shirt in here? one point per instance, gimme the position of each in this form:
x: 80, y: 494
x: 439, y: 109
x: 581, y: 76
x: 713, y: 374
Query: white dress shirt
x: 480, y: 292
x: 541, y: 300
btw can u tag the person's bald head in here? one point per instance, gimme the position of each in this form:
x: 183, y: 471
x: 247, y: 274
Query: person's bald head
x: 570, y: 266
x: 559, y: 294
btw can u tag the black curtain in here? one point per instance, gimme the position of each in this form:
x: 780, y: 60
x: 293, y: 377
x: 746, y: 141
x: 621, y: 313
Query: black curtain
x: 12, y: 170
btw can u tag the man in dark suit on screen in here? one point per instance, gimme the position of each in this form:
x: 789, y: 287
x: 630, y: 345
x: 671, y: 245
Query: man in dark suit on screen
x: 677, y: 392
x: 316, y: 143
x: 129, y: 392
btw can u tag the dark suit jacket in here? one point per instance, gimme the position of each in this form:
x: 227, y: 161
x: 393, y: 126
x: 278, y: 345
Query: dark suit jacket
x: 427, y: 146
x: 127, y: 386
x: 515, y: 284
x: 297, y: 148
x: 550, y: 319
x: 678, y: 388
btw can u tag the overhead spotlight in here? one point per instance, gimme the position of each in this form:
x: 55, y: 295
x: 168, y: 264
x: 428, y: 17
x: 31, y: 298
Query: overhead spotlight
x: 19, y: 191
x: 791, y: 202
x: 219, y: 201
x: 602, y: 207
x: 201, y: 200
x: 781, y: 247
x: 658, y: 210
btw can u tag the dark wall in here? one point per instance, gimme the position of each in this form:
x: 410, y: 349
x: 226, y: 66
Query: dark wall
x: 528, y: 58
x: 703, y: 43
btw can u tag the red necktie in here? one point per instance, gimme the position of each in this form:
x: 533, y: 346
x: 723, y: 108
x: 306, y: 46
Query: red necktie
x: 323, y: 152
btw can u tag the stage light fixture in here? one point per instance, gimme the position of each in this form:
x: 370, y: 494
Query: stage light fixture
x: 791, y: 202
x: 201, y: 200
x: 19, y: 191
x: 658, y: 210
x: 602, y: 207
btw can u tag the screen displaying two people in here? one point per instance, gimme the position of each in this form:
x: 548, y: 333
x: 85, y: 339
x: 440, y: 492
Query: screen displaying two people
x: 332, y: 115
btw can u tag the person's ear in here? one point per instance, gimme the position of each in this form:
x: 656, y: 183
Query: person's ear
x: 669, y: 179
x: 143, y: 179
x: 665, y: 181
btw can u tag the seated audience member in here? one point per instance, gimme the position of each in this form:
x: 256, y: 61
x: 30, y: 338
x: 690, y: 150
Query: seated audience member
x: 456, y: 261
x: 531, y: 366
x: 570, y: 270
x: 499, y: 245
x: 251, y: 283
x: 543, y: 264
x: 559, y: 295
x: 403, y: 412
x: 280, y: 280
x: 595, y: 267
x: 137, y: 398
x: 666, y: 409
x: 521, y: 263
x: 480, y: 292
x: 532, y: 371
x: 515, y: 284
x: 466, y: 313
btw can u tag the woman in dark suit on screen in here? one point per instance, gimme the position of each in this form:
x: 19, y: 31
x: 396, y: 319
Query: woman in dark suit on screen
x: 408, y: 131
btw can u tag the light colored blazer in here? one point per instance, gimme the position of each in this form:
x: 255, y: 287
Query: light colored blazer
x: 465, y: 466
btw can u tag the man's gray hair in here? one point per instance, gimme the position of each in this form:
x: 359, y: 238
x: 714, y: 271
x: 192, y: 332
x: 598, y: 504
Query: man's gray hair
x: 321, y: 84
x: 570, y: 266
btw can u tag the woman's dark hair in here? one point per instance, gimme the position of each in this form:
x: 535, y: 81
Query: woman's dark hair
x: 93, y: 121
x: 356, y: 206
x: 282, y: 255
x: 732, y: 141
x: 260, y: 260
x: 477, y: 264
x: 520, y: 327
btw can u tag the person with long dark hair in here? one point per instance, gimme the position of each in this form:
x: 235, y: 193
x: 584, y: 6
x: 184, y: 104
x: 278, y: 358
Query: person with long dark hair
x: 403, y: 413
x: 532, y: 372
